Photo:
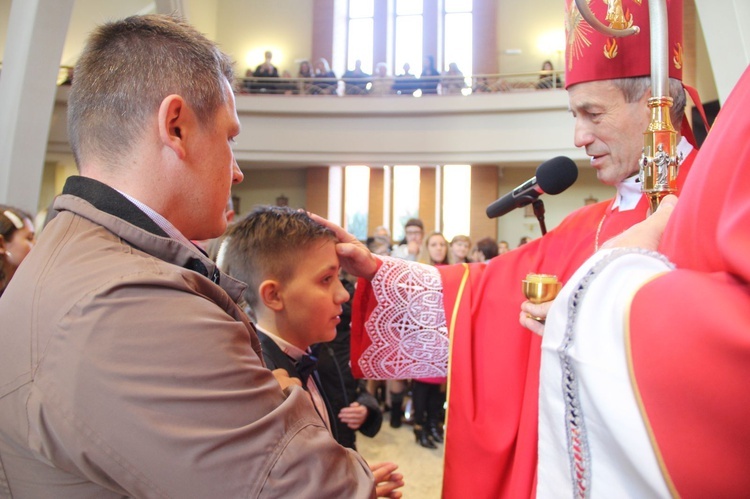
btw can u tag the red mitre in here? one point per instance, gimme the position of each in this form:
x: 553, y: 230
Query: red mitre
x: 592, y: 56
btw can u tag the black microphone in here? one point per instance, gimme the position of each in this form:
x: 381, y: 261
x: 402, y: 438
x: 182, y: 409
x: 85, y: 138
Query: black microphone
x: 552, y: 177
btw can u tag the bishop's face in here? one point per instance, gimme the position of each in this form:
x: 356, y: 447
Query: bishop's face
x: 609, y: 128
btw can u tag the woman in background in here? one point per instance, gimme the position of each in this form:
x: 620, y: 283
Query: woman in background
x: 16, y: 240
x: 428, y: 394
x: 328, y: 83
x: 430, y: 77
x: 547, y: 78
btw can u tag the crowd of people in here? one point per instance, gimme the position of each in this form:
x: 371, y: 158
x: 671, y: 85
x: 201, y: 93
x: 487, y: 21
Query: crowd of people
x: 318, y: 79
x: 135, y: 365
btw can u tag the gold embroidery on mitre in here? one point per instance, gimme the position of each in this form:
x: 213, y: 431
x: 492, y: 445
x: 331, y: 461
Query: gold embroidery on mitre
x: 615, y: 14
x: 610, y: 48
x: 677, y: 59
x: 576, y: 31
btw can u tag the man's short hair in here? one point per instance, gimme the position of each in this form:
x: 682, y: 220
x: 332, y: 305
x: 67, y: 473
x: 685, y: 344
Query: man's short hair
x: 414, y: 222
x: 634, y: 88
x: 268, y: 243
x: 127, y: 69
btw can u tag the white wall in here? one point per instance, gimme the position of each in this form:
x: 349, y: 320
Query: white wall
x: 536, y: 28
x: 263, y: 186
x: 249, y: 28
x: 89, y: 13
x: 203, y: 14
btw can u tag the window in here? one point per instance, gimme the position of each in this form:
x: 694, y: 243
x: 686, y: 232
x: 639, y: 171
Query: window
x: 405, y: 198
x: 356, y: 200
x: 458, y: 35
x: 360, y: 38
x: 408, y: 42
x: 456, y: 200
x: 408, y: 39
x: 401, y: 199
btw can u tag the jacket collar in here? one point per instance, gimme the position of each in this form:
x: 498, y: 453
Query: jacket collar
x: 104, y: 206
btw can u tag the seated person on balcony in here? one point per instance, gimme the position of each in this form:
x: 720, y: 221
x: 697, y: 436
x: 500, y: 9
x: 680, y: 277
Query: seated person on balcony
x: 328, y: 83
x: 430, y: 77
x: 356, y: 80
x: 547, y: 77
x: 264, y: 71
x: 406, y: 83
x: 304, y: 73
x: 382, y: 84
x: 453, y: 80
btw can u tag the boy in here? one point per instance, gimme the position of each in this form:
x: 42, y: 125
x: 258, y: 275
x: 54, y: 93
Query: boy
x: 290, y: 265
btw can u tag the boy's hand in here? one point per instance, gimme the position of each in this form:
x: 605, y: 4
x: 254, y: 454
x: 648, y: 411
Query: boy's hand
x: 354, y: 415
x: 284, y: 379
x: 386, y: 481
x: 354, y: 256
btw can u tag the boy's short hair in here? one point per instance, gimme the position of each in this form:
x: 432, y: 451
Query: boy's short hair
x: 414, y: 222
x: 267, y: 244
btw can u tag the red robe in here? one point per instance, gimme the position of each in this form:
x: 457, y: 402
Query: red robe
x: 491, y: 442
x: 690, y: 329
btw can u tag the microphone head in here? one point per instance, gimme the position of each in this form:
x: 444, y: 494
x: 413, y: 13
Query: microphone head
x: 556, y: 174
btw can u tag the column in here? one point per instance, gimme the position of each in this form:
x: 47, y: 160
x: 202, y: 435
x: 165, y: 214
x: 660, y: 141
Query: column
x: 35, y: 40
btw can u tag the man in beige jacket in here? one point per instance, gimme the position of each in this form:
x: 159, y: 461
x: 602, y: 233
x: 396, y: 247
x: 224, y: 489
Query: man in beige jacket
x: 126, y: 366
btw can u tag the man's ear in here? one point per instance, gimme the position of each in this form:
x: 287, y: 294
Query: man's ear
x: 269, y: 293
x: 173, y: 118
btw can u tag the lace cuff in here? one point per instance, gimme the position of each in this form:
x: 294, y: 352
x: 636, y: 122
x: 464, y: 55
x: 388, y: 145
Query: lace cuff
x: 407, y: 327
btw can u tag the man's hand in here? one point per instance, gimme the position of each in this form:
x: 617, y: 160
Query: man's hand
x: 354, y: 256
x: 646, y: 234
x: 354, y: 415
x: 538, y: 310
x: 284, y: 379
x: 386, y: 481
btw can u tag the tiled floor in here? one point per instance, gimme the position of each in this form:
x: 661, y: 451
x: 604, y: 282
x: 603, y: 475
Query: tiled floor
x: 422, y: 468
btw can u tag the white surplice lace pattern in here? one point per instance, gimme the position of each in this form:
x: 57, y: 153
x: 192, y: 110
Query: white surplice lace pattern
x: 407, y: 327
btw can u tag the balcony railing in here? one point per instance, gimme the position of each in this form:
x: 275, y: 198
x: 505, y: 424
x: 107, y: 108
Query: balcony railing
x: 399, y: 85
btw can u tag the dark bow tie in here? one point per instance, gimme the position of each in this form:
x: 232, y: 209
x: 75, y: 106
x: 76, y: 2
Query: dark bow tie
x: 305, y: 366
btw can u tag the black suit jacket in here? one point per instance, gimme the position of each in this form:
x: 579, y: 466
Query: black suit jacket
x: 275, y: 358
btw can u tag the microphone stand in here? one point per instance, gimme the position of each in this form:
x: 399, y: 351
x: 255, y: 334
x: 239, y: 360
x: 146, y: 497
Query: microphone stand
x: 538, y: 205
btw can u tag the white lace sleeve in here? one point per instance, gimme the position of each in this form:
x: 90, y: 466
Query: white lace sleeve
x: 407, y: 327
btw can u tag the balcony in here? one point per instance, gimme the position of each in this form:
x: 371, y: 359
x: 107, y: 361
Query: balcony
x: 494, y: 119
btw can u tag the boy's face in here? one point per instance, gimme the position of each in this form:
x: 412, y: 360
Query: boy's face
x: 313, y: 297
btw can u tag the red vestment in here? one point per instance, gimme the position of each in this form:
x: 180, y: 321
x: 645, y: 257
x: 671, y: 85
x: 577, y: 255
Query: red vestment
x: 690, y: 329
x: 491, y: 441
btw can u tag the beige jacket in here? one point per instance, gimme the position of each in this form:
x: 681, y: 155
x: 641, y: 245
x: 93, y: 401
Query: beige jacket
x: 124, y: 373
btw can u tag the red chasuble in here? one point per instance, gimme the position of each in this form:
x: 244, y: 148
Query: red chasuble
x: 491, y: 443
x: 690, y: 329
